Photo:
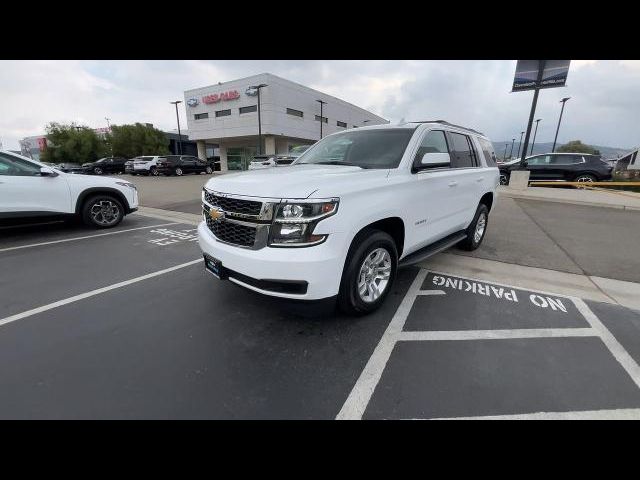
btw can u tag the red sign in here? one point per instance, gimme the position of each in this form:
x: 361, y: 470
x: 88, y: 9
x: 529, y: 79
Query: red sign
x: 215, y: 98
x: 42, y: 144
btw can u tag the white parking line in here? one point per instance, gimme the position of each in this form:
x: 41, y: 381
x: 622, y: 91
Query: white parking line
x: 359, y: 397
x: 98, y: 291
x: 616, y: 414
x: 616, y: 349
x: 84, y: 238
x: 496, y: 334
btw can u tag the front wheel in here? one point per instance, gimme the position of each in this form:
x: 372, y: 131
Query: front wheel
x: 154, y: 171
x: 369, y: 273
x: 504, y: 179
x: 476, y: 230
x: 102, y: 211
x: 97, y: 171
x: 178, y: 171
x: 209, y: 170
x: 585, y: 178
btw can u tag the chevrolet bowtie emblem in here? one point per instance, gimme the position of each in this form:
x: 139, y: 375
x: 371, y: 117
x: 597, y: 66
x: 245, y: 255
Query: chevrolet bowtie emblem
x: 216, y: 214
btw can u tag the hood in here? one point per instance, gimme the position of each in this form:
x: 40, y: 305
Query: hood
x: 296, y: 181
x: 94, y: 180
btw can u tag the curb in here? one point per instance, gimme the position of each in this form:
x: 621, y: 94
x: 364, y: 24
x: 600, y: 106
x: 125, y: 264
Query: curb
x: 568, y: 202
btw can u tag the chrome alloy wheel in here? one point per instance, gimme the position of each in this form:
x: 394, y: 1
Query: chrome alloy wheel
x: 374, y: 275
x: 584, y: 179
x: 105, y: 212
x: 481, y: 224
x: 503, y: 179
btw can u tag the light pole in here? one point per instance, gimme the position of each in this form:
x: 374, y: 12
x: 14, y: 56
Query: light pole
x: 520, y: 145
x: 321, y: 117
x: 563, y: 101
x: 511, y: 153
x: 534, y: 136
x: 178, y: 119
x: 504, y: 157
x: 109, y: 131
x: 258, y: 88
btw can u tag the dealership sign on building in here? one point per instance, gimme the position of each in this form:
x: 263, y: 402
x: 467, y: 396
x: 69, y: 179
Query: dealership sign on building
x: 219, y: 97
x: 527, y: 76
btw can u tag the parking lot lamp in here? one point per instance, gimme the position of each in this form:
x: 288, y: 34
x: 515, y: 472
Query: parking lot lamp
x: 534, y: 136
x: 109, y: 131
x: 563, y: 101
x: 321, y: 117
x: 258, y: 88
x: 511, y: 152
x: 504, y: 157
x: 520, y: 145
x: 178, y: 119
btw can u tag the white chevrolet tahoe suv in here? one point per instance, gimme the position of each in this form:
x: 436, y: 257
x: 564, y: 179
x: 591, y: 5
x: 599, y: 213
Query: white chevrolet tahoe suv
x: 349, y: 211
x: 33, y: 189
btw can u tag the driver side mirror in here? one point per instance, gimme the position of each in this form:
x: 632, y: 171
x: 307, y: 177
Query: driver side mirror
x: 48, y: 172
x: 434, y: 160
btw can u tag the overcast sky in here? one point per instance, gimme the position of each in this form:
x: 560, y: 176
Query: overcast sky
x: 604, y: 108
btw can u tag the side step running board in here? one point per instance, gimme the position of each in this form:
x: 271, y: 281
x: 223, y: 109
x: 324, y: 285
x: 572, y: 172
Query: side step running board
x: 432, y: 249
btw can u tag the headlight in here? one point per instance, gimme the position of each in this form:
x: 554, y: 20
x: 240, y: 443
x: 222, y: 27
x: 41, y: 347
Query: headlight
x: 294, y: 222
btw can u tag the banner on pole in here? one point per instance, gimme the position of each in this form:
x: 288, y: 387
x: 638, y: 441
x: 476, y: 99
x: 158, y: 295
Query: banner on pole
x: 526, y: 77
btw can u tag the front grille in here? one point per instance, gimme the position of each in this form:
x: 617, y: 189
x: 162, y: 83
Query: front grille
x: 232, y: 232
x: 233, y: 205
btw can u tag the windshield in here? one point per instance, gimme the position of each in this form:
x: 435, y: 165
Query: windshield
x: 299, y: 150
x: 376, y: 148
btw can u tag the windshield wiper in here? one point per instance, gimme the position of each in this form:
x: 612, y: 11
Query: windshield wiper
x: 338, y: 162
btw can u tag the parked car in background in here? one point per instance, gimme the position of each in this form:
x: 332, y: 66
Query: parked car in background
x: 105, y: 165
x: 268, y: 161
x: 142, y: 165
x: 568, y: 167
x: 182, y: 164
x: 31, y: 189
x: 69, y: 167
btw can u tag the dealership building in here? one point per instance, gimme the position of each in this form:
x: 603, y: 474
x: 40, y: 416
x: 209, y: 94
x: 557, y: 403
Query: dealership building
x: 226, y: 114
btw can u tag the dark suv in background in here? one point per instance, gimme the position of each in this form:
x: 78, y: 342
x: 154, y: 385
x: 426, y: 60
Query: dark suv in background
x: 105, y: 165
x: 568, y: 167
x: 181, y: 164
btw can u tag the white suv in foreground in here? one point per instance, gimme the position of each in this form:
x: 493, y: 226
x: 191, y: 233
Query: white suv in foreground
x: 32, y: 189
x: 349, y: 211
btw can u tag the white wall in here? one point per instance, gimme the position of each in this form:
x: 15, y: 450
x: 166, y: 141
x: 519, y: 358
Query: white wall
x: 279, y: 95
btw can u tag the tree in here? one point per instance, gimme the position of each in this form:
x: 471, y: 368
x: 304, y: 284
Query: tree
x: 72, y: 144
x: 576, y: 146
x: 134, y: 140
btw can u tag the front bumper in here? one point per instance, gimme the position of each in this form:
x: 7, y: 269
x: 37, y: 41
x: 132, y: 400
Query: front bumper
x: 320, y: 266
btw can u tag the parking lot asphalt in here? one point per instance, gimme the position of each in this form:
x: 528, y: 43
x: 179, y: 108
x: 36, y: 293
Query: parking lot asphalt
x: 127, y: 324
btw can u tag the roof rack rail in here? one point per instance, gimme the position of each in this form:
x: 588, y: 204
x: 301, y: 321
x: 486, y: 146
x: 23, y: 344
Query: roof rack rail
x: 444, y: 122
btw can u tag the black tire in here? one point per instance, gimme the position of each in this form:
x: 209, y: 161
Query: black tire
x: 178, y: 172
x: 471, y: 242
x: 97, y: 171
x: 364, y: 245
x: 504, y: 179
x: 208, y: 170
x: 153, y: 171
x: 88, y: 210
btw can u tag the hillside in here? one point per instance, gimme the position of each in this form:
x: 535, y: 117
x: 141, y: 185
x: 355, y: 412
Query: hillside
x: 545, y: 147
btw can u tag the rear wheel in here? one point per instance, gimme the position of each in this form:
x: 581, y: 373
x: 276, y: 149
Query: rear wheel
x: 102, y: 211
x: 585, y: 178
x: 369, y: 272
x: 504, y: 179
x: 153, y: 171
x: 178, y: 171
x: 97, y: 171
x: 476, y: 230
x: 209, y: 170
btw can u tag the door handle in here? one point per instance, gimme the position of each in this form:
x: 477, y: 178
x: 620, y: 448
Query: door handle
x: 453, y: 184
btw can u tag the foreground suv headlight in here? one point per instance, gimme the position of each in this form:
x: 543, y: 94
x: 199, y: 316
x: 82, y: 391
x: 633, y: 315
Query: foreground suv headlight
x: 295, y: 220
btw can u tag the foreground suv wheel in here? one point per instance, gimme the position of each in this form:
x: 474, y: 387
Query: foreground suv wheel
x: 102, y: 211
x: 369, y: 272
x: 476, y: 230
